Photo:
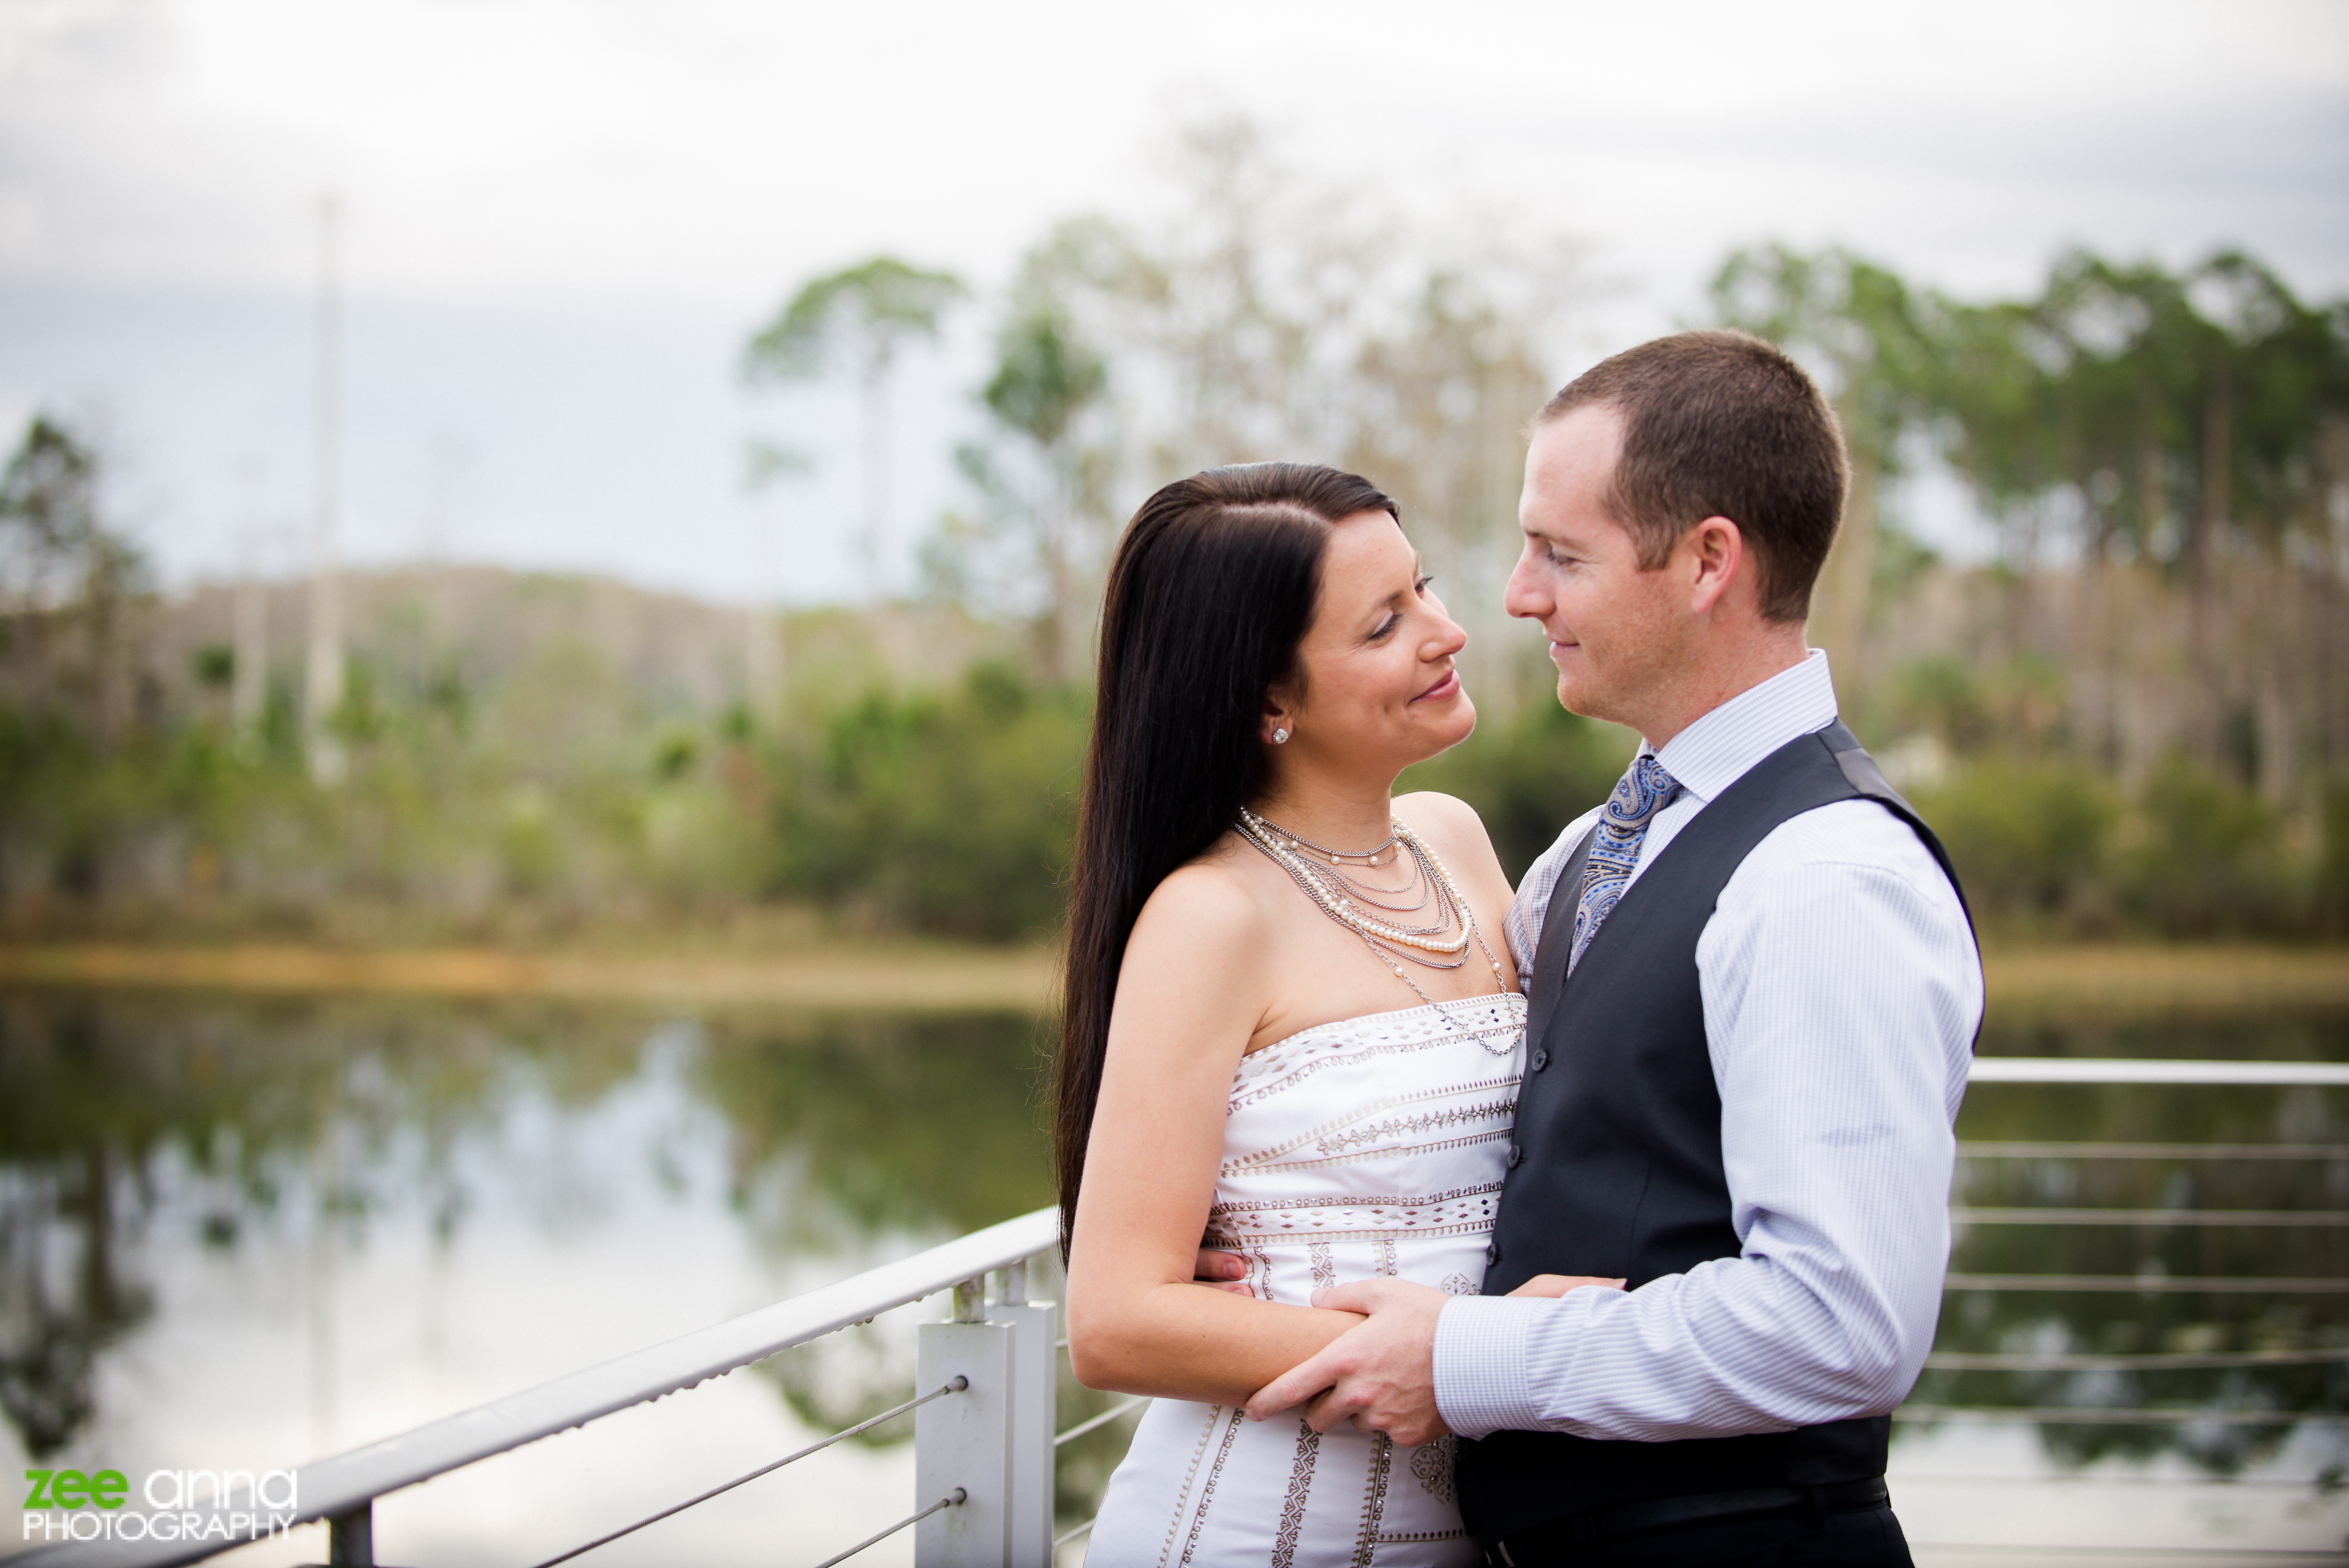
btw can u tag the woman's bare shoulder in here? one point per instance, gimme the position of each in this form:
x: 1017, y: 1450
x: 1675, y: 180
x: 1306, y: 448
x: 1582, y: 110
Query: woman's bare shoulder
x: 1443, y: 819
x: 1211, y: 902
x: 1197, y: 966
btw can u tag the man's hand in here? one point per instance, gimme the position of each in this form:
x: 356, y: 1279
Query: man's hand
x: 1558, y: 1284
x: 1225, y: 1270
x: 1378, y: 1376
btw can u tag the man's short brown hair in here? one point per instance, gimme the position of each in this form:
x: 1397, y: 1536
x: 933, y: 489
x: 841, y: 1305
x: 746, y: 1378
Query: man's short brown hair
x: 1723, y: 424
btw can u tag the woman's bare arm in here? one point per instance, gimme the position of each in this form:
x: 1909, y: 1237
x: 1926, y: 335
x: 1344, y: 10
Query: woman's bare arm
x: 1191, y: 994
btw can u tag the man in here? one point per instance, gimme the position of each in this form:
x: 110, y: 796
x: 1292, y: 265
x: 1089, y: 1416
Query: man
x: 1753, y: 990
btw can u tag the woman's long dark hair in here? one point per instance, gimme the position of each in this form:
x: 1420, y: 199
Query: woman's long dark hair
x: 1212, y: 590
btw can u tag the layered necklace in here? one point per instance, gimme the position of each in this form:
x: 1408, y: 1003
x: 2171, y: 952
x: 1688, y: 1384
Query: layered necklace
x: 1350, y: 901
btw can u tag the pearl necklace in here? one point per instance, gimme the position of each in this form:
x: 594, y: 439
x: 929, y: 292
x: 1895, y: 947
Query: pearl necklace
x: 1387, y: 943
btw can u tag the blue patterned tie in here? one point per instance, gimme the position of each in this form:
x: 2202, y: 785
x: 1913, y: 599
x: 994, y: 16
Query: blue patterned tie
x: 1615, y: 847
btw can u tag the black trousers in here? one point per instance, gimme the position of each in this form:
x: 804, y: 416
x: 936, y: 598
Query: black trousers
x: 1862, y: 1538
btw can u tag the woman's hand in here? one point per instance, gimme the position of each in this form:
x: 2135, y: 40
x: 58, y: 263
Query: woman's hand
x: 1558, y: 1284
x: 1225, y: 1270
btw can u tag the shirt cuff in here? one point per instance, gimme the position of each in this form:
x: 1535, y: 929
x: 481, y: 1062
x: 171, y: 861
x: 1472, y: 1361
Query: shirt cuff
x: 1481, y: 1343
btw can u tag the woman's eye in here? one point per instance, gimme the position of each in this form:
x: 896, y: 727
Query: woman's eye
x: 1386, y: 628
x: 1420, y: 586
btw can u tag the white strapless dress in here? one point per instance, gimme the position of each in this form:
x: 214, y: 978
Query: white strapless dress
x: 1373, y: 1146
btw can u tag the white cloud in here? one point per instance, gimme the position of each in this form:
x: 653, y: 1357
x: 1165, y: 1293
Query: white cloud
x: 704, y: 148
x: 587, y: 202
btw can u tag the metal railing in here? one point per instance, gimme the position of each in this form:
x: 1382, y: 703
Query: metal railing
x: 2158, y: 1072
x: 982, y: 1423
x: 986, y: 1378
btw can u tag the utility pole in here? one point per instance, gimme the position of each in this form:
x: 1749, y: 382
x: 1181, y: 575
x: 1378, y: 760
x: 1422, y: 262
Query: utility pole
x: 880, y: 352
x: 323, y: 687
x: 764, y: 648
x: 250, y: 686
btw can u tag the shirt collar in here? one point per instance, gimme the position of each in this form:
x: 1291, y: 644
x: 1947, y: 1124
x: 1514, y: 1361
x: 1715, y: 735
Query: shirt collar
x: 1719, y: 748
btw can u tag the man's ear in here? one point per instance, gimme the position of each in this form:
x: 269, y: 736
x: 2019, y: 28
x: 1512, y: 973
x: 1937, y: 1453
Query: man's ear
x: 1714, y: 557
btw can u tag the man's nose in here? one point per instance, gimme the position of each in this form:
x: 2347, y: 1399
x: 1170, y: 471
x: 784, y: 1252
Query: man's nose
x: 1523, y: 597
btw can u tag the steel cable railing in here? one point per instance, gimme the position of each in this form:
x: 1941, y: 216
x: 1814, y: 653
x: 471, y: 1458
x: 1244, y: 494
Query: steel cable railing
x: 1103, y: 1419
x: 2148, y: 1284
x: 2268, y: 1218
x: 2153, y: 1281
x: 2138, y: 1361
x: 952, y: 1499
x: 2111, y: 1415
x: 955, y: 1386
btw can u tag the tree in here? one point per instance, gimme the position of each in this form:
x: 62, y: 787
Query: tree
x: 1437, y: 402
x: 2183, y: 418
x: 61, y: 569
x: 864, y: 315
x: 1858, y: 322
x: 1051, y: 375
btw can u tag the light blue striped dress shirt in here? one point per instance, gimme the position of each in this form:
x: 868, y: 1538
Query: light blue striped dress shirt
x: 1841, y: 991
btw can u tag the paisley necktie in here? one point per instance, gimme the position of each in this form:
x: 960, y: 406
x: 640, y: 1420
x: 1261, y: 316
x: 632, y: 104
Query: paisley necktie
x: 1642, y: 793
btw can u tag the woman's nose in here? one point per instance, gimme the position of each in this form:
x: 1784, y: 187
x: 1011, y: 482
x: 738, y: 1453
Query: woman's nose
x: 1449, y: 638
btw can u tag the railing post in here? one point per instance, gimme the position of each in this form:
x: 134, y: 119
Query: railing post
x: 958, y: 1442
x: 351, y: 1538
x: 1035, y: 1387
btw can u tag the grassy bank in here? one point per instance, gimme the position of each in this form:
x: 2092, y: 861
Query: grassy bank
x: 923, y: 977
x: 2107, y: 979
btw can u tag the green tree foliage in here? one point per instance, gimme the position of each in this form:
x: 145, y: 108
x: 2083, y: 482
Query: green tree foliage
x: 1263, y: 313
x: 1860, y: 325
x: 2030, y: 840
x: 2163, y: 452
x: 863, y: 316
x: 1529, y: 778
x: 2133, y: 721
x: 2211, y: 861
x: 1045, y: 473
x: 68, y: 585
x: 866, y: 312
x: 1043, y: 376
x: 949, y: 811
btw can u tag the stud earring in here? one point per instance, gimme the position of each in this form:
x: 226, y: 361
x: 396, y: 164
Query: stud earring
x: 1280, y: 737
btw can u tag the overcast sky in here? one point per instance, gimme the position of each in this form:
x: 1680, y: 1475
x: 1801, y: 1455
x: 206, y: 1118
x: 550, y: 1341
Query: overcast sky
x: 562, y: 217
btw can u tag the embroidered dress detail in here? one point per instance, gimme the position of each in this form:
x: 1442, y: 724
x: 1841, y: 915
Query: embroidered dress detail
x: 1432, y: 1467
x: 1370, y: 1147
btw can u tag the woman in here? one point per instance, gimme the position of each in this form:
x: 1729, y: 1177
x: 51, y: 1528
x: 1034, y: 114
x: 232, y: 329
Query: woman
x: 1291, y: 1024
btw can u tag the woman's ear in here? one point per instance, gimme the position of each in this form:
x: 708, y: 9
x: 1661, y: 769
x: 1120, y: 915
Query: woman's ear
x: 1277, y: 723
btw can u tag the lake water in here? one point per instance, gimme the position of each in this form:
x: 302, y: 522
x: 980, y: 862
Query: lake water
x: 249, y: 1234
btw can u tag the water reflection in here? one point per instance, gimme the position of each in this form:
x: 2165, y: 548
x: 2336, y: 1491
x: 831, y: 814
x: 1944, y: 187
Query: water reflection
x: 2046, y: 1277
x: 305, y: 1150
x: 134, y: 1129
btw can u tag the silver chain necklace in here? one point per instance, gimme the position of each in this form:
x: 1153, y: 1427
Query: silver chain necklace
x: 1333, y: 893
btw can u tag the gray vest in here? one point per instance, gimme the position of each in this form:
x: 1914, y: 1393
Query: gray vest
x: 1616, y: 1170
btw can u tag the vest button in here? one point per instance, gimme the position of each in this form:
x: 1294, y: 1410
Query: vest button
x: 1541, y: 1060
x: 1492, y: 1253
x: 1516, y: 1155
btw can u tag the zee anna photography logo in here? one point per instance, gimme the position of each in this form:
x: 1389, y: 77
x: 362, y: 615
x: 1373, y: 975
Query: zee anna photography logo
x: 181, y: 1505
